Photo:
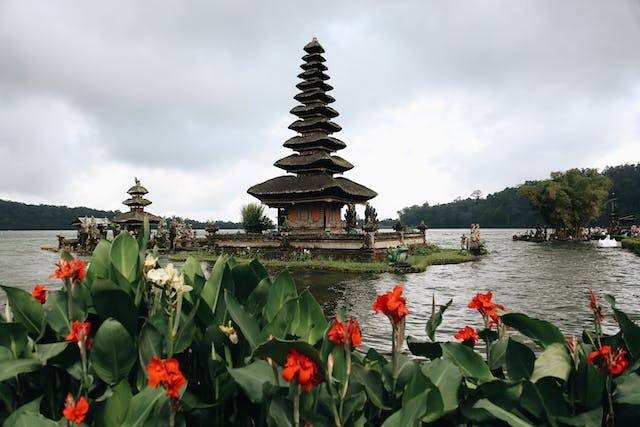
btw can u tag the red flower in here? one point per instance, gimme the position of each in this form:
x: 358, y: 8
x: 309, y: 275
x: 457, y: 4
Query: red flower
x: 75, y: 411
x: 300, y: 367
x: 596, y: 308
x: 79, y: 333
x: 392, y: 304
x: 166, y: 372
x: 613, y: 363
x: 69, y: 269
x: 39, y: 292
x: 348, y: 332
x: 485, y: 305
x: 467, y: 335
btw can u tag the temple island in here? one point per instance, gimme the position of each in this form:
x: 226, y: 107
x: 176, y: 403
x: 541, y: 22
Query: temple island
x: 310, y: 200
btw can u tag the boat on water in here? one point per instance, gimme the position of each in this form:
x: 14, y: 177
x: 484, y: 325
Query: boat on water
x: 608, y: 242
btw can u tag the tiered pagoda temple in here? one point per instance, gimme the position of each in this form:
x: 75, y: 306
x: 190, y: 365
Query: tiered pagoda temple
x: 310, y: 198
x: 133, y: 220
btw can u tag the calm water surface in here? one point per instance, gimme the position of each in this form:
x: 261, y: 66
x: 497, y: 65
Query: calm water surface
x: 543, y: 280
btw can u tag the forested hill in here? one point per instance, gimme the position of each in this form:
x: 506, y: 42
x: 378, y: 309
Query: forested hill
x: 509, y: 209
x: 21, y: 216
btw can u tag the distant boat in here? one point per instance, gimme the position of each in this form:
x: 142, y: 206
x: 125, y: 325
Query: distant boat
x: 608, y: 242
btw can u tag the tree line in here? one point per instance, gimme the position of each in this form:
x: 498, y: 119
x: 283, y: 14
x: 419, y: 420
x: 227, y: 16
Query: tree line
x: 510, y: 208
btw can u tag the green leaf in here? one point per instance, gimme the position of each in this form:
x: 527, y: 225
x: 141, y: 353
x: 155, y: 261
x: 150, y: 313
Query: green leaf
x: 32, y: 407
x: 259, y: 270
x: 591, y: 418
x: 255, y: 380
x: 430, y: 350
x: 31, y: 419
x: 469, y: 362
x: 554, y: 361
x: 410, y: 414
x: 280, y: 326
x: 497, y: 355
x: 111, y: 412
x: 247, y: 324
x: 142, y: 404
x: 245, y: 280
x: 100, y: 261
x: 541, y: 332
x: 149, y: 343
x: 220, y: 279
x: 309, y: 324
x: 628, y: 389
x: 56, y: 310
x: 436, y: 318
x: 14, y: 337
x: 48, y: 351
x: 484, y: 410
x: 186, y: 331
x: 124, y: 256
x: 447, y: 378
x: 258, y: 298
x: 630, y: 332
x: 372, y: 383
x: 282, y: 290
x: 109, y: 300
x: 11, y: 368
x: 279, y: 414
x: 26, y: 310
x: 113, y: 353
x: 520, y: 360
x: 193, y: 274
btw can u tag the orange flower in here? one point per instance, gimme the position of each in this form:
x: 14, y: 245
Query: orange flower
x: 613, y: 363
x: 596, y: 308
x: 75, y: 411
x: 392, y: 304
x: 79, y: 333
x: 69, y: 269
x: 166, y: 372
x: 342, y: 333
x: 485, y: 305
x: 467, y: 335
x: 39, y: 292
x: 300, y: 367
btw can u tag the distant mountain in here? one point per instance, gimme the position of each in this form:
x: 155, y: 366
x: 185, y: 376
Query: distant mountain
x: 21, y: 216
x: 509, y: 209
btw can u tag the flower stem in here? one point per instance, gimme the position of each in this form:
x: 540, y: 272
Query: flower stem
x: 296, y: 406
x: 174, y: 332
x: 609, y: 420
x: 345, y: 385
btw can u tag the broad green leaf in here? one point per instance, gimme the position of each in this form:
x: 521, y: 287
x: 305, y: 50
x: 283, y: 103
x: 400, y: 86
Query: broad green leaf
x: 282, y: 290
x: 630, y: 332
x: 484, y: 410
x: 149, y: 343
x: 211, y: 290
x: 48, y: 351
x: 469, y: 362
x: 497, y: 355
x: 410, y: 414
x: 554, y: 361
x: 591, y: 418
x: 430, y: 350
x: 245, y: 280
x: 142, y: 404
x: 628, y: 389
x: 255, y: 379
x: 279, y: 414
x: 32, y: 407
x: 100, y: 261
x: 259, y: 270
x: 109, y: 300
x: 372, y: 383
x: 193, y: 274
x: 56, y: 310
x: 589, y: 385
x: 258, y: 298
x: 541, y: 332
x: 113, y: 353
x: 309, y: 324
x: 112, y: 411
x: 280, y: 326
x: 32, y: 419
x: 186, y: 331
x: 436, y: 318
x: 26, y: 310
x: 11, y: 368
x: 124, y: 256
x: 520, y: 360
x: 247, y: 324
x: 14, y: 337
x: 447, y: 377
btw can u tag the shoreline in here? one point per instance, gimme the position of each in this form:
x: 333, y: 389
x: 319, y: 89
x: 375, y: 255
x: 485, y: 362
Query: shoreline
x: 417, y: 263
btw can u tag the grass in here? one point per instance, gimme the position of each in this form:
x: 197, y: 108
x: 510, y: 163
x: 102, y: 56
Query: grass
x: 419, y: 262
x: 632, y: 244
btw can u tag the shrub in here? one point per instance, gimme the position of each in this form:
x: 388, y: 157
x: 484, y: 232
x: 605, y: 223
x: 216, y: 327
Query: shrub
x: 128, y: 342
x: 254, y: 220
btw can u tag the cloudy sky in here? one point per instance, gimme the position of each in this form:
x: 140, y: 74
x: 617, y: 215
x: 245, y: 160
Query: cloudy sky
x: 437, y: 98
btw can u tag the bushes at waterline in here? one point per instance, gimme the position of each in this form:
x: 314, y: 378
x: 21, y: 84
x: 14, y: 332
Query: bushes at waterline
x: 134, y: 344
x: 632, y: 244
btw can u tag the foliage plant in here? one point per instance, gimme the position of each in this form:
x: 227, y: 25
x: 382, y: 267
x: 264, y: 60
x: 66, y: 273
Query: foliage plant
x: 253, y: 218
x: 127, y: 342
x: 350, y: 218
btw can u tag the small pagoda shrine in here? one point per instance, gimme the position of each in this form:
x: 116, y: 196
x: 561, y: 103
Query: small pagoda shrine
x: 310, y: 198
x: 132, y: 221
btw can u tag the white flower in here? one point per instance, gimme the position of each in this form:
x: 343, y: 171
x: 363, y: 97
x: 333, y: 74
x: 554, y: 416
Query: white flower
x: 149, y: 262
x: 170, y: 277
x: 158, y: 276
x: 230, y: 332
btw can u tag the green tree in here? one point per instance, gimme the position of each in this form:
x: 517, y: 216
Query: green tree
x: 254, y: 220
x: 569, y: 200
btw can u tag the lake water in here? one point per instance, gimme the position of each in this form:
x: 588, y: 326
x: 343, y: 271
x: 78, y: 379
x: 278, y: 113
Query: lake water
x: 549, y: 281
